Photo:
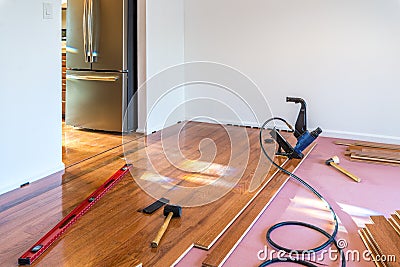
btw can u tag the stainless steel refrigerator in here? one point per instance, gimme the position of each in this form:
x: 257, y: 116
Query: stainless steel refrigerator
x: 101, y: 64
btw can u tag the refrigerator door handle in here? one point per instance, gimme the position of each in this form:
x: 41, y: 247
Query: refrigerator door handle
x: 85, y: 31
x: 94, y: 24
x: 109, y: 78
x: 90, y: 30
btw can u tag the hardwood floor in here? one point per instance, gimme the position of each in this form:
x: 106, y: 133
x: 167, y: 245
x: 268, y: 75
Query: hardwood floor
x: 79, y: 145
x: 113, y: 232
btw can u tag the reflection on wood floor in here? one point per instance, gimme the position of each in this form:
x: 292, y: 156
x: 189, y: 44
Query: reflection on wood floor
x: 79, y: 145
x: 113, y: 232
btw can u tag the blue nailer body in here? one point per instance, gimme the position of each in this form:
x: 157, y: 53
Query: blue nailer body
x: 304, y: 137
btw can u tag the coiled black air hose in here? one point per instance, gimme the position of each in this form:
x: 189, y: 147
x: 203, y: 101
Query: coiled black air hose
x: 331, y: 237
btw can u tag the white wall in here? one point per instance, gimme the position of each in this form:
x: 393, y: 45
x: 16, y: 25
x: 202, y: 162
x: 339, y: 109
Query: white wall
x: 30, y: 92
x: 342, y: 56
x: 165, y: 48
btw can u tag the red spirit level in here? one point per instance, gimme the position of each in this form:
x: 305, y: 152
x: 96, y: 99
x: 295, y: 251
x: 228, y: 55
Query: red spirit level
x: 47, y: 240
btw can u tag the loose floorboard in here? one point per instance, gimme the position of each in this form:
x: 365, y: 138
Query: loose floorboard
x: 113, y: 231
x: 374, y: 160
x: 370, y: 145
x: 370, y: 152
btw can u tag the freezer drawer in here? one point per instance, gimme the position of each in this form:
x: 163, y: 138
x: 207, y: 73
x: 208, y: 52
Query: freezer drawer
x: 96, y: 100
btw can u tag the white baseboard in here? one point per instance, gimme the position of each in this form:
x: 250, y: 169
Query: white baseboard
x: 140, y: 130
x: 362, y: 136
x: 59, y: 168
x: 327, y: 133
x: 159, y: 127
x: 227, y: 122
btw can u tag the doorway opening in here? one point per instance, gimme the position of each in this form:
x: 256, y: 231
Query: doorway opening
x: 79, y: 144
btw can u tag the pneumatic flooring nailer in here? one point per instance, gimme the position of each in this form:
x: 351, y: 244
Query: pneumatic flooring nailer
x: 304, y: 137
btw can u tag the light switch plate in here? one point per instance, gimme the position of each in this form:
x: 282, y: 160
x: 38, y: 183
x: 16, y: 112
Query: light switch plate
x: 47, y: 10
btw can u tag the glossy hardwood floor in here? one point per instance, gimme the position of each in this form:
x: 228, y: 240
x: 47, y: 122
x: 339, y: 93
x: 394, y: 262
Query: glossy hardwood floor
x: 79, y: 145
x: 114, y: 232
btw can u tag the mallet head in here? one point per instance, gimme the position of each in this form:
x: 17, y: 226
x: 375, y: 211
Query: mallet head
x: 334, y: 159
x: 176, y: 210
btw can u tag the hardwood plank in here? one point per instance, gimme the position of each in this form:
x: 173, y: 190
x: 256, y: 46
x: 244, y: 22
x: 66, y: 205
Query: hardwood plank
x: 240, y: 227
x: 373, y: 153
x: 385, y: 238
x: 378, y: 145
x: 366, y: 150
x: 370, y: 246
x: 395, y: 223
x: 378, y: 155
x: 369, y: 144
x: 383, y: 223
x: 380, y: 151
x: 374, y: 160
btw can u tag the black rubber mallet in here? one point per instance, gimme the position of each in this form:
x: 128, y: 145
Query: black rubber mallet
x: 170, y: 211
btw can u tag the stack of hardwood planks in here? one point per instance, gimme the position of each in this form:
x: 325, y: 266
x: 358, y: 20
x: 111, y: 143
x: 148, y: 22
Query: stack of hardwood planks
x: 382, y: 239
x: 373, y: 152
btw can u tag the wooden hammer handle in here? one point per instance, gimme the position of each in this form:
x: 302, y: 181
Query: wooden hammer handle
x: 352, y: 176
x: 162, y: 230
